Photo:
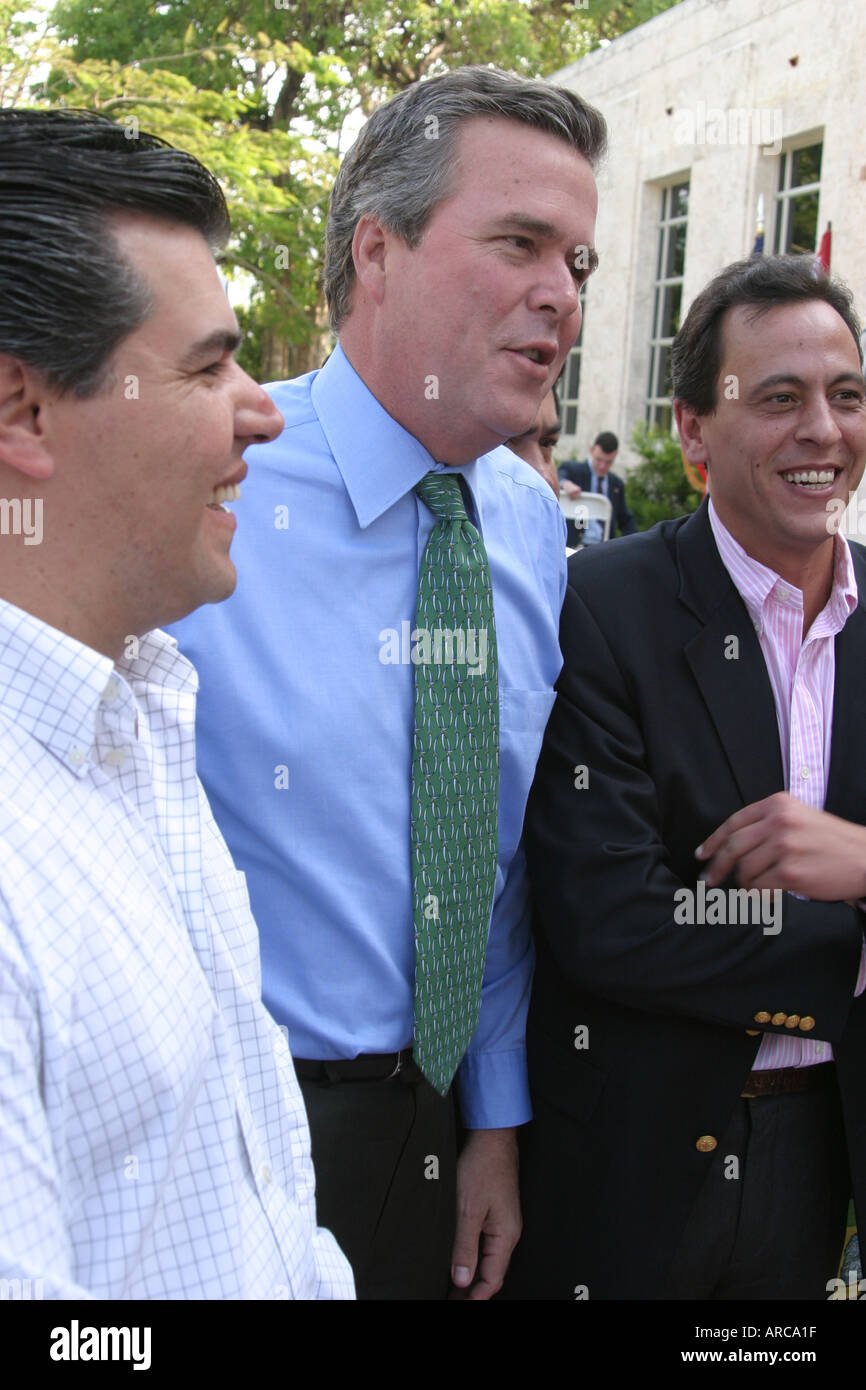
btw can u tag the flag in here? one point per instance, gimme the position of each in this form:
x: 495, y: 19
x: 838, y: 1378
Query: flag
x: 758, y: 248
x: 822, y: 259
x: 696, y: 474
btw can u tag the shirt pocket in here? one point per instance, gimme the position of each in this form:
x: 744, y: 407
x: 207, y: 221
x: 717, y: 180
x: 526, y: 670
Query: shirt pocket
x: 523, y: 716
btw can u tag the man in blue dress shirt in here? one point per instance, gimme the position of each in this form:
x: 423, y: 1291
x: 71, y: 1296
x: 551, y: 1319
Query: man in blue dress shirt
x: 460, y: 231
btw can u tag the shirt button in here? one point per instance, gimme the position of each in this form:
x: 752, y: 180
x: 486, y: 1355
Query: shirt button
x: 111, y: 691
x: 266, y: 1175
x: 77, y: 756
x: 805, y: 773
x: 782, y: 595
x: 115, y: 757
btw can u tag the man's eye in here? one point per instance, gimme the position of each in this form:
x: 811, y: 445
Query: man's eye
x: 522, y: 242
x: 213, y: 368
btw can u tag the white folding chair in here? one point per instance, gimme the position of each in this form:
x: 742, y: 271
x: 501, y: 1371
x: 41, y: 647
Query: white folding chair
x: 589, y: 506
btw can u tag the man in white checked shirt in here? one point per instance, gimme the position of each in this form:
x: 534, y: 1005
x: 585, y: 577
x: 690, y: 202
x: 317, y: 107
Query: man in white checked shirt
x: 153, y: 1141
x: 696, y: 1048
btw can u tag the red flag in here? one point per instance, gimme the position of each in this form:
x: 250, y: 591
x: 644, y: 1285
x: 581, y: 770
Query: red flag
x: 696, y: 474
x: 822, y: 259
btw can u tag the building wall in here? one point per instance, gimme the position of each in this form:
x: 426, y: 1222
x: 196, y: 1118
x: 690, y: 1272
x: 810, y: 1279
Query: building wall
x: 704, y: 72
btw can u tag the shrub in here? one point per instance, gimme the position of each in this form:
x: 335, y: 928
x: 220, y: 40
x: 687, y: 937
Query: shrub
x: 658, y: 489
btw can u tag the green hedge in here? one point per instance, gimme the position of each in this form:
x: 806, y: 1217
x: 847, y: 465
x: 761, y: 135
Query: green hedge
x: 658, y: 489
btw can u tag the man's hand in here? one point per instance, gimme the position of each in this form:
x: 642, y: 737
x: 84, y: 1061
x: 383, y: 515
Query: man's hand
x: 570, y: 489
x: 488, y: 1213
x: 780, y: 843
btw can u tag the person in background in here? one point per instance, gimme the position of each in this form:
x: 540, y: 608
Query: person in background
x: 536, y: 445
x: 594, y: 475
x: 153, y: 1141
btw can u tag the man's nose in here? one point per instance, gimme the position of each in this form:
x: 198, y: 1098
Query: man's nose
x: 258, y: 419
x: 557, y: 290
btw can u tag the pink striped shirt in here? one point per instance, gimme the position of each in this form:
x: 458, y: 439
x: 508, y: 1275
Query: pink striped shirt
x: 802, y: 675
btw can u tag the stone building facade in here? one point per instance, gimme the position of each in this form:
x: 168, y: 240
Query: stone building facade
x: 711, y: 106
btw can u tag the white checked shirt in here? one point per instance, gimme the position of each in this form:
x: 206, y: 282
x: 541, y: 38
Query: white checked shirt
x: 153, y: 1140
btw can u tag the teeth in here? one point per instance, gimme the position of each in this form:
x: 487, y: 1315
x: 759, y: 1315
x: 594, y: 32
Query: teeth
x: 811, y: 478
x: 224, y: 494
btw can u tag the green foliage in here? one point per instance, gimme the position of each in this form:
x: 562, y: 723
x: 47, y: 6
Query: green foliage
x: 22, y: 47
x: 658, y: 489
x: 261, y: 91
x: 612, y: 19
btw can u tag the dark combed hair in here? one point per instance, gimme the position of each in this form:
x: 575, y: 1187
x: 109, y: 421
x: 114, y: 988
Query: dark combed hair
x: 401, y: 166
x: 763, y: 282
x: 67, y: 295
x: 606, y: 441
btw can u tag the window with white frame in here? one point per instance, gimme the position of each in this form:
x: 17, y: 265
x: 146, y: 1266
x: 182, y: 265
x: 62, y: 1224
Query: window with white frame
x: 796, y: 231
x: 667, y: 301
x: 569, y: 382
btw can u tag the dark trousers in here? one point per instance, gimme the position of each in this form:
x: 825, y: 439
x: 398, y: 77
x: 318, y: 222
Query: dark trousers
x: 776, y: 1229
x: 385, y: 1159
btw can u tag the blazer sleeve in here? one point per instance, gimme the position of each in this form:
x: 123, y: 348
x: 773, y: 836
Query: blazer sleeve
x: 626, y: 524
x: 605, y: 882
x: 571, y: 471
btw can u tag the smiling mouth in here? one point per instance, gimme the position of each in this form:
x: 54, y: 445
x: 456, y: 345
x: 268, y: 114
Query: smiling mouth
x: 811, y: 479
x: 224, y: 494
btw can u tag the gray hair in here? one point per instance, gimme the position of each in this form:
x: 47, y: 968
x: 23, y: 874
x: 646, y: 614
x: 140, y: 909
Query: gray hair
x: 401, y: 165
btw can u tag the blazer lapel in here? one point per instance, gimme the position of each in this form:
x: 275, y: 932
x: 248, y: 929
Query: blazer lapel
x: 727, y: 663
x: 846, y: 783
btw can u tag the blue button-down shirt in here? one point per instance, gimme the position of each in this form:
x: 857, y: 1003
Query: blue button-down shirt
x: 306, y: 720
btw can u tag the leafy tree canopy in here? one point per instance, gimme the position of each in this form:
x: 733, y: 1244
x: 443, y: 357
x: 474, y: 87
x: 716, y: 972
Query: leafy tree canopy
x: 267, y: 92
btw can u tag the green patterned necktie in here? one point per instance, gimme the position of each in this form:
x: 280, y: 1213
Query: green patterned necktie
x: 455, y: 781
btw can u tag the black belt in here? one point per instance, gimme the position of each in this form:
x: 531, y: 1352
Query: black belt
x: 780, y: 1081
x: 367, y: 1067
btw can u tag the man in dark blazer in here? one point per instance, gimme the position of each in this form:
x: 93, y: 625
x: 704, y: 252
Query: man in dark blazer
x: 697, y: 1051
x: 594, y: 475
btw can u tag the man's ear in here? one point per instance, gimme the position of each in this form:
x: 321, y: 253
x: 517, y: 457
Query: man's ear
x: 369, y: 247
x: 22, y: 444
x: 689, y: 424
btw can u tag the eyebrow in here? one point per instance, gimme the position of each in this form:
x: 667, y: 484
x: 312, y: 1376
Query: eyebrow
x: 791, y: 379
x: 219, y: 341
x: 527, y: 434
x: 539, y: 227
